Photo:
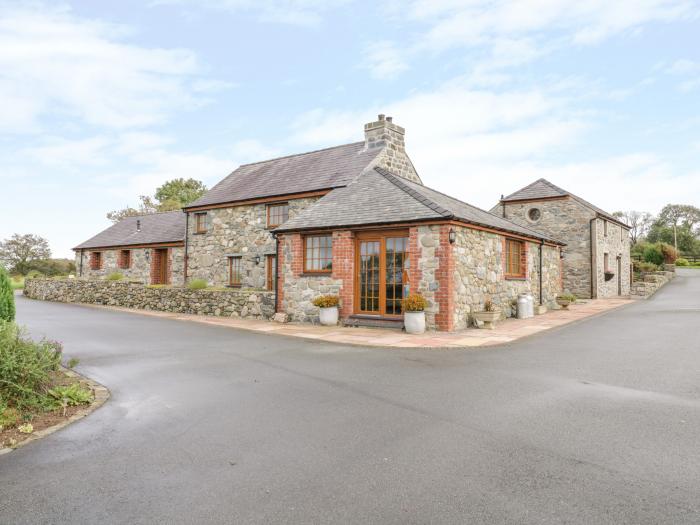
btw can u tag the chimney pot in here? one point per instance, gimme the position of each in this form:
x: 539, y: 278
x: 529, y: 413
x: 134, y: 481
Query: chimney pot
x: 381, y: 116
x: 390, y: 119
x: 138, y: 225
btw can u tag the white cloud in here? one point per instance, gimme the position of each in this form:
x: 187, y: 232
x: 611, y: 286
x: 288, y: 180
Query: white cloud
x: 55, y: 64
x: 688, y: 69
x: 384, y: 60
x: 294, y: 12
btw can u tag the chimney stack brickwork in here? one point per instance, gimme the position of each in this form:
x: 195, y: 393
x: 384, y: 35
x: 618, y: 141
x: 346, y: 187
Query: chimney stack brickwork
x: 383, y: 133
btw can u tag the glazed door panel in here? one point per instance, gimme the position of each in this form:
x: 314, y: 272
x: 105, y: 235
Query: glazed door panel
x: 381, y: 268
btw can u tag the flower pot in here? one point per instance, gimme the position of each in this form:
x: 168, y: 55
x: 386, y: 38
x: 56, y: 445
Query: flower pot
x: 564, y: 303
x: 329, y: 316
x: 488, y: 318
x: 414, y: 322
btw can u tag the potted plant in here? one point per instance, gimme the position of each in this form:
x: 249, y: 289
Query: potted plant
x: 414, y: 314
x: 564, y: 300
x: 489, y: 315
x: 329, y: 309
x: 609, y: 274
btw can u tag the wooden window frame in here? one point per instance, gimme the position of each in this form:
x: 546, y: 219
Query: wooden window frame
x: 96, y: 260
x: 200, y: 223
x: 231, y: 282
x: 270, y: 224
x: 124, y: 259
x: 269, y: 274
x: 606, y: 262
x: 522, y: 270
x: 305, y: 259
x: 605, y: 228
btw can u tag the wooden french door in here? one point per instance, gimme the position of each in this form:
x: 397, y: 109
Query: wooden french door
x: 381, y: 272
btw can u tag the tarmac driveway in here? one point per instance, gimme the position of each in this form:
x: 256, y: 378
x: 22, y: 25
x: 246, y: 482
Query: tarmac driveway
x: 597, y: 422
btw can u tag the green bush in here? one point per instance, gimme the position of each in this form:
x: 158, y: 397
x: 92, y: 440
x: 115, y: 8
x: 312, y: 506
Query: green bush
x: 197, y: 284
x: 669, y: 252
x: 7, y: 298
x: 654, y: 254
x: 70, y: 395
x: 567, y: 297
x: 35, y: 274
x: 115, y: 276
x: 25, y: 368
x: 644, y: 267
x: 682, y: 262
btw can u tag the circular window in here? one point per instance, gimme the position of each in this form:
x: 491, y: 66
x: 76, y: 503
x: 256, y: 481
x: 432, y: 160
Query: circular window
x: 534, y: 214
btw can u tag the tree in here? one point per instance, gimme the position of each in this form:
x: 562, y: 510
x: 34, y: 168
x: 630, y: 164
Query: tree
x: 7, y: 298
x: 638, y: 221
x: 172, y: 195
x: 677, y: 215
x: 19, y: 250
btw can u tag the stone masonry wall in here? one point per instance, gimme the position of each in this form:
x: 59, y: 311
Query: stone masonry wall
x: 225, y: 303
x: 565, y: 220
x: 616, y: 244
x: 393, y: 157
x: 480, y: 274
x: 140, y: 268
x: 235, y: 231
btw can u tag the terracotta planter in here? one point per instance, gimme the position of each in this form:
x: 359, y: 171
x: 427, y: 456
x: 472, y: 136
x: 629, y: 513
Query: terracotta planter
x: 488, y: 318
x: 414, y: 322
x: 329, y: 316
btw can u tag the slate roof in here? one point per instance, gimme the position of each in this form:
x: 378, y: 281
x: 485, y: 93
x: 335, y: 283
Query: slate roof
x: 380, y: 197
x: 543, y: 189
x: 316, y: 170
x: 155, y: 228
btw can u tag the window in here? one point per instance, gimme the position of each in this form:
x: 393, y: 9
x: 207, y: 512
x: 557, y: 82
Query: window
x: 270, y: 271
x: 95, y: 260
x: 515, y: 258
x: 534, y: 214
x: 125, y: 259
x: 605, y: 228
x: 234, y: 271
x: 606, y: 262
x: 200, y: 222
x: 277, y: 214
x: 318, y: 253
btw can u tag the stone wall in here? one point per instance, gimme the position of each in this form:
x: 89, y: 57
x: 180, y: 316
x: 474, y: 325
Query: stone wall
x: 225, y: 303
x: 140, y: 269
x: 616, y: 244
x: 235, y: 231
x: 650, y: 283
x: 393, y: 157
x: 480, y: 274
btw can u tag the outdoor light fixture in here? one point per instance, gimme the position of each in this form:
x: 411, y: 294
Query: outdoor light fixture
x: 257, y: 260
x: 561, y: 254
x: 452, y: 236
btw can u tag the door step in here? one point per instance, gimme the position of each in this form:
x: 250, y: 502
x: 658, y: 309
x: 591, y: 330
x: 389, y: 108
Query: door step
x: 373, y: 322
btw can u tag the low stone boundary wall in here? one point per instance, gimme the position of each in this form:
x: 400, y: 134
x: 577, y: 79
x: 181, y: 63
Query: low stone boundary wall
x: 251, y: 304
x: 650, y: 283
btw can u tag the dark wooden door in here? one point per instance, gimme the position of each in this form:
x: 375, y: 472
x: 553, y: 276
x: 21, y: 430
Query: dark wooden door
x: 159, y: 266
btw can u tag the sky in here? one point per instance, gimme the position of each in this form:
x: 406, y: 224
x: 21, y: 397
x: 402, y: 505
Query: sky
x: 101, y: 102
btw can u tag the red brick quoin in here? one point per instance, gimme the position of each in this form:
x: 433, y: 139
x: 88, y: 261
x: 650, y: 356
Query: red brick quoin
x: 343, y: 269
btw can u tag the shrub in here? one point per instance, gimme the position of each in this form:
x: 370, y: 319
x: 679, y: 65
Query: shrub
x: 669, y: 252
x: 35, y: 274
x: 7, y: 298
x: 73, y: 362
x: 197, y: 284
x: 682, y: 262
x: 489, y: 306
x: 326, y: 301
x: 653, y: 254
x: 567, y: 297
x: 414, y: 303
x: 25, y: 368
x: 115, y: 276
x: 644, y: 267
x: 70, y: 395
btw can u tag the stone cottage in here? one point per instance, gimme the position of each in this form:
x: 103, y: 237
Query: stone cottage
x: 597, y: 256
x: 353, y: 220
x: 148, y: 248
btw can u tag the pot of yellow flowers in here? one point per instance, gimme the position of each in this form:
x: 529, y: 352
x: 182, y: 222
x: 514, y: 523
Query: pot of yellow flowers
x: 414, y: 314
x: 328, y: 305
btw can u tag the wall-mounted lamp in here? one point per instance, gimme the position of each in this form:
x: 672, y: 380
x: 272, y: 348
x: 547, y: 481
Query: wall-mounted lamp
x: 257, y: 260
x: 452, y: 236
x: 561, y: 254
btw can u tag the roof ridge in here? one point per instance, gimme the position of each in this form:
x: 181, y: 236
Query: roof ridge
x: 300, y: 154
x: 394, y: 179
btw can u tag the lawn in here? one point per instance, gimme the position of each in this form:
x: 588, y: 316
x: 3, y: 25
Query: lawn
x: 17, y: 282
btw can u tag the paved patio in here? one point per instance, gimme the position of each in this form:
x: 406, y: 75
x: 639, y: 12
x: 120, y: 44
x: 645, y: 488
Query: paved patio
x: 506, y: 331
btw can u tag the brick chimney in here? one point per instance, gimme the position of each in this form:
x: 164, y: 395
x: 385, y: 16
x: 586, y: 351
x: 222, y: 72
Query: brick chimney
x: 384, y: 134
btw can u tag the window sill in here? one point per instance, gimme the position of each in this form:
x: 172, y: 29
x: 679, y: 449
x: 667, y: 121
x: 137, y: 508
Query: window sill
x: 316, y: 274
x: 516, y: 278
x: 233, y: 286
x: 198, y: 233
